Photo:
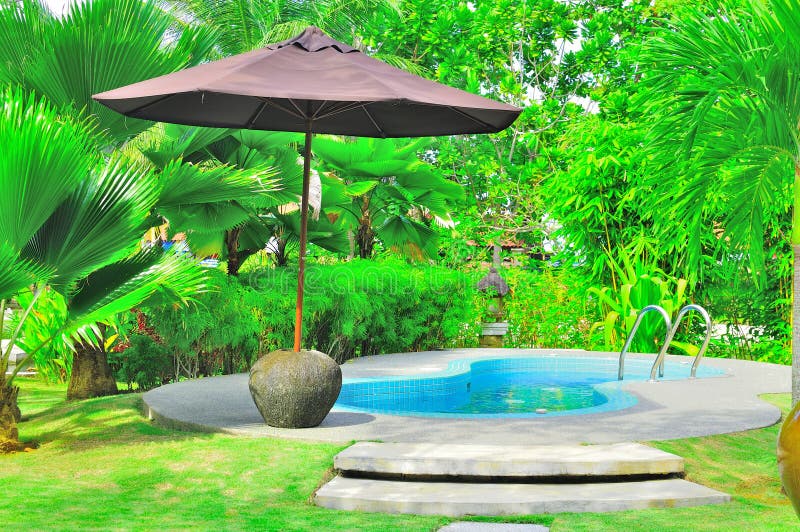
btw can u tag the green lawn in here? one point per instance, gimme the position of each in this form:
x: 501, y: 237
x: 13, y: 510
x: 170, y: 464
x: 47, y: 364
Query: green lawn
x: 102, y: 465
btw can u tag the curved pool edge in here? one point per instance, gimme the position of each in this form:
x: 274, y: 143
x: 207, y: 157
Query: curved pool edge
x: 448, y: 382
x: 666, y: 410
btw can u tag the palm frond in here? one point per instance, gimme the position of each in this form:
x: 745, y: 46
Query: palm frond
x: 45, y: 157
x: 16, y: 274
x: 99, y: 45
x: 723, y: 90
x: 410, y: 238
x: 187, y: 184
x: 97, y: 224
x: 149, y: 278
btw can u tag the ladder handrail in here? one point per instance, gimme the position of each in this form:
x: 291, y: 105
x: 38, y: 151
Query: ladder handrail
x: 628, y: 341
x: 660, y: 358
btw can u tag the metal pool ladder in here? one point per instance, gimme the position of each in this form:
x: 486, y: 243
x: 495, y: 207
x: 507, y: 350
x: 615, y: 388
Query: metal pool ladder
x: 681, y: 313
x: 645, y: 310
x: 671, y: 330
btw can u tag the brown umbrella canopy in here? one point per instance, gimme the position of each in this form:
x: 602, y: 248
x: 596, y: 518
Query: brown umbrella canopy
x: 310, y: 78
x: 313, y: 84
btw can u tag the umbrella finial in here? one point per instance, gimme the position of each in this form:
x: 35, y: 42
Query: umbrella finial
x: 313, y: 39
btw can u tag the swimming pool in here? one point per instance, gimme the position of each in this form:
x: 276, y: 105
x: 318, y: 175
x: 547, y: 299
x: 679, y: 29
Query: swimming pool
x: 508, y: 387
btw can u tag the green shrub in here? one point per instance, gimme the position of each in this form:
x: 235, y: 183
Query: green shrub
x: 145, y: 362
x: 545, y: 310
x: 218, y: 334
x: 350, y: 309
x: 367, y: 307
x: 53, y: 360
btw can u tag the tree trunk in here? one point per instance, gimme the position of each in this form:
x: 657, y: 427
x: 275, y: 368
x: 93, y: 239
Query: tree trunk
x: 9, y: 417
x: 796, y: 325
x: 281, y: 258
x: 365, y: 236
x: 91, y: 374
x: 232, y: 246
x: 796, y: 287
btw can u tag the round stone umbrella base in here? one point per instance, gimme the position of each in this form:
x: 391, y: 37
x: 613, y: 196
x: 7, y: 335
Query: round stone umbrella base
x: 295, y: 390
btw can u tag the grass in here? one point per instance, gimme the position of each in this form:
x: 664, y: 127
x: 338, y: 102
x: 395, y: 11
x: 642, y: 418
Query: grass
x: 101, y: 465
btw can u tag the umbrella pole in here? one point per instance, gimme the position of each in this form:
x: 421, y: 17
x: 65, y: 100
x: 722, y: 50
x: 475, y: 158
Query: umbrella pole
x: 301, y: 272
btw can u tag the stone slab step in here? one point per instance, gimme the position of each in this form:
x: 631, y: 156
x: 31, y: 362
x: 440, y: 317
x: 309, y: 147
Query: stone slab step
x: 458, y: 499
x: 427, y: 460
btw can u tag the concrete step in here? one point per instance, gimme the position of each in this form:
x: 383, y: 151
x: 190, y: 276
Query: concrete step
x: 474, y: 462
x: 458, y: 499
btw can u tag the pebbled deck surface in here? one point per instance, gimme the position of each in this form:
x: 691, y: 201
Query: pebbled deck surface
x: 666, y: 410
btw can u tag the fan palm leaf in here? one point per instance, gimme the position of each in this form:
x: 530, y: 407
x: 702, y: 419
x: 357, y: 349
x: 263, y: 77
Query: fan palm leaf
x: 100, y: 222
x: 148, y: 278
x: 16, y: 274
x: 43, y: 158
x: 99, y: 45
x: 184, y: 184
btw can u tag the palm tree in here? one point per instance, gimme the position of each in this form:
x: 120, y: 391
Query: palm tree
x: 99, y: 45
x: 391, y: 193
x: 724, y: 84
x: 238, y: 225
x: 72, y: 222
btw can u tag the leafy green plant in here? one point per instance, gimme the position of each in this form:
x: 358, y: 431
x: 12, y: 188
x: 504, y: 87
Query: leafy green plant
x: 722, y: 83
x: 98, y: 46
x: 547, y: 309
x: 368, y: 307
x: 53, y: 360
x: 218, y: 334
x: 391, y: 196
x: 352, y: 309
x: 145, y: 362
x: 639, y: 284
x: 72, y: 221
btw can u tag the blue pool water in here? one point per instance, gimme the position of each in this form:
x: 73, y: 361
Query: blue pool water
x: 510, y: 387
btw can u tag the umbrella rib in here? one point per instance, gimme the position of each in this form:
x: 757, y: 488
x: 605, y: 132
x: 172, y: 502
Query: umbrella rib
x: 476, y: 120
x: 148, y: 105
x: 284, y: 109
x: 257, y: 114
x: 374, y: 123
x: 346, y: 106
x: 316, y: 113
x: 300, y: 111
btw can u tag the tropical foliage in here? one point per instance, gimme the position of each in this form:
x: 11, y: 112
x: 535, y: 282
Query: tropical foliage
x: 653, y: 163
x: 393, y: 196
x: 725, y: 86
x: 72, y: 222
x: 99, y: 45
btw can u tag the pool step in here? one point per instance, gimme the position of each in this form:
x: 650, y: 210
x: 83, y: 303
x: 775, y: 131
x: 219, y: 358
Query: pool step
x: 506, y: 462
x: 458, y: 479
x: 460, y: 498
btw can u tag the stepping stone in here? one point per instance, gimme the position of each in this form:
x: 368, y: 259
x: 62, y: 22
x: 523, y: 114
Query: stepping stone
x: 458, y: 499
x: 474, y: 526
x: 405, y: 460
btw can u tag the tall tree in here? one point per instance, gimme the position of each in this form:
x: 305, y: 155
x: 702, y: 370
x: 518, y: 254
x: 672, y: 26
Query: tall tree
x: 392, y: 193
x: 549, y: 57
x: 244, y: 25
x: 71, y: 222
x: 724, y: 83
x: 99, y: 45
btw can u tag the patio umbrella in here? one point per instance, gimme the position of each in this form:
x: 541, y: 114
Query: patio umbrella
x: 311, y: 84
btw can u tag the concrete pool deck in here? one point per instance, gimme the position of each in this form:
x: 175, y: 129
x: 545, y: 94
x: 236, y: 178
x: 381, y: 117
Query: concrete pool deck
x: 665, y: 410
